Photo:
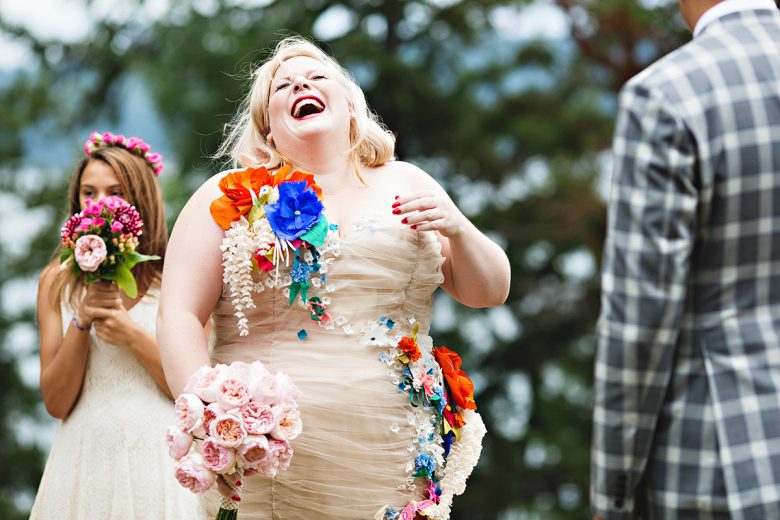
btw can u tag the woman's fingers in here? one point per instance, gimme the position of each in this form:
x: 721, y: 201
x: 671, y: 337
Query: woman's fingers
x: 227, y: 490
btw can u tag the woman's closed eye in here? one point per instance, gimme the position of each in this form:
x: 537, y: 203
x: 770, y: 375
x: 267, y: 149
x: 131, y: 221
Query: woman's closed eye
x: 280, y: 86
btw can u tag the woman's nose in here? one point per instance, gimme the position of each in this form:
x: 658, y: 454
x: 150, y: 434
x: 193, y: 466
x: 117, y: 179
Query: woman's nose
x: 300, y: 82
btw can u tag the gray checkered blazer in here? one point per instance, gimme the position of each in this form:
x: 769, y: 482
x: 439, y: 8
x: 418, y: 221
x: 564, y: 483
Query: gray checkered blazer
x: 687, y: 390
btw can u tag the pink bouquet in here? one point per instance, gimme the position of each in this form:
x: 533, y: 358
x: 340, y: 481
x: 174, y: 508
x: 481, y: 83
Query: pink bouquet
x: 233, y: 420
x: 101, y: 242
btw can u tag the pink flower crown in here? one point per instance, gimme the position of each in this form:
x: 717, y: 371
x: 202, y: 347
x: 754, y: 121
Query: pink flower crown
x: 98, y: 141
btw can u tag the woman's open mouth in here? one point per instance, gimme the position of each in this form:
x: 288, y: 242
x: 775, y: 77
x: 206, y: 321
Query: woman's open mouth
x: 307, y: 106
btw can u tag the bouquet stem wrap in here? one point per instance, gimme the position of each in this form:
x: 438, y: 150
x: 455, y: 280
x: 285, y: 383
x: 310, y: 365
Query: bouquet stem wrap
x: 228, y: 508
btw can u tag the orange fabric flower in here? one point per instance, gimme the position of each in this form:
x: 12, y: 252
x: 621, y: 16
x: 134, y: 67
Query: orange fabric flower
x: 460, y: 386
x: 237, y: 199
x: 409, y: 347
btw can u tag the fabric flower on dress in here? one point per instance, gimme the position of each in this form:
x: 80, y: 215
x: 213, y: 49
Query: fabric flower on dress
x: 275, y: 231
x: 296, y: 211
x: 460, y: 386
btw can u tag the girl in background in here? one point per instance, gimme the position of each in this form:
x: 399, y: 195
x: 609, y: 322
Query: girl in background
x: 100, y: 365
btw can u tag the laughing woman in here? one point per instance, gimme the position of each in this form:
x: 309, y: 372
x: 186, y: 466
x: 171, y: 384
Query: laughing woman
x: 347, y: 315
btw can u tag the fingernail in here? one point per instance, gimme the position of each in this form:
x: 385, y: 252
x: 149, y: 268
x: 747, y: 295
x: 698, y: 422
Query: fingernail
x: 238, y: 482
x: 236, y: 498
x: 404, y: 220
x: 396, y: 211
x: 396, y: 204
x: 397, y: 197
x: 414, y: 226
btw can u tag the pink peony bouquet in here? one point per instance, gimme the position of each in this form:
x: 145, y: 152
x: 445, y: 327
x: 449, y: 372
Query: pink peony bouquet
x: 101, y: 242
x: 233, y: 420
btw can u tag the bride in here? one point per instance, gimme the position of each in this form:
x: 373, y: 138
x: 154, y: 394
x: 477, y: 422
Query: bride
x: 350, y: 328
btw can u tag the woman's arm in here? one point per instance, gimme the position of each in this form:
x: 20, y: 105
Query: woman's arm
x: 191, y: 287
x: 476, y: 270
x: 64, y: 357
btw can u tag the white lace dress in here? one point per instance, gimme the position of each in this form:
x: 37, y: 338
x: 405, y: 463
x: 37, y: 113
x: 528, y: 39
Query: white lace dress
x: 109, y: 458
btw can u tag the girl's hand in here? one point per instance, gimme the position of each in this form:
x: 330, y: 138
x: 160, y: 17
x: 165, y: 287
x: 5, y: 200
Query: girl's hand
x: 430, y: 211
x: 110, y: 319
x: 99, y: 295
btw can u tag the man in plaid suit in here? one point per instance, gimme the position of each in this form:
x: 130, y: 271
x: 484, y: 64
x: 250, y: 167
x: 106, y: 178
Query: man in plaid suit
x: 687, y: 390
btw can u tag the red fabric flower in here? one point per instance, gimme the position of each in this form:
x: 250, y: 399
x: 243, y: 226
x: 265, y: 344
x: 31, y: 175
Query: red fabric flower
x: 409, y: 347
x: 460, y: 386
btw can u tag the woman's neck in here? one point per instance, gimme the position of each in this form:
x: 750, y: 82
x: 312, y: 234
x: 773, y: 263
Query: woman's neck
x: 332, y: 171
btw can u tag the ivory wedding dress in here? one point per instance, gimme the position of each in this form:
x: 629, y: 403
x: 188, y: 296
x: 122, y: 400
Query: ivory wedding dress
x: 361, y: 433
x: 109, y: 458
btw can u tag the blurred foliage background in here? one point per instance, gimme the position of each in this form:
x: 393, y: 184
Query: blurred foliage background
x: 508, y: 103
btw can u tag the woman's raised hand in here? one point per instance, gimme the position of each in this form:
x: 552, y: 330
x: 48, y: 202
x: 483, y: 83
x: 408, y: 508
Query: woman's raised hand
x: 430, y: 211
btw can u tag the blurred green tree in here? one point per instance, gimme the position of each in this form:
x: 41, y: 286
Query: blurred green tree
x: 516, y: 128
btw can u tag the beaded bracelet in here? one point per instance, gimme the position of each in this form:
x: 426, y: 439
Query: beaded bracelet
x: 76, y: 324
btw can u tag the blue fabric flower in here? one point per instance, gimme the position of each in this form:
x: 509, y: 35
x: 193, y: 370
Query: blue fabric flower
x: 300, y: 271
x: 296, y: 211
x: 391, y: 513
x: 425, y: 464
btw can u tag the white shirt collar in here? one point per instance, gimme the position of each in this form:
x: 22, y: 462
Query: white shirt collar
x: 727, y: 7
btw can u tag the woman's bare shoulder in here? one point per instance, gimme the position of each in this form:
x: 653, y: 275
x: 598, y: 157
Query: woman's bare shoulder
x: 403, y: 173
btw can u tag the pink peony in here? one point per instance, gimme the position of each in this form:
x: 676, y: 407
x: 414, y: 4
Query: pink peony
x: 280, y: 454
x: 116, y: 227
x: 189, y: 412
x: 232, y: 393
x: 218, y: 458
x: 275, y: 389
x: 227, y: 430
x: 259, y: 418
x: 90, y: 251
x: 253, y: 451
x: 179, y: 442
x: 210, y: 413
x: 205, y: 382
x: 193, y: 475
x: 144, y: 147
x: 119, y: 139
x: 289, y: 424
x: 108, y: 137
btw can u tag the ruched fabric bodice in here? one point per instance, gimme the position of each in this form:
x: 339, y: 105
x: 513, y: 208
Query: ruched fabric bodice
x: 355, y: 455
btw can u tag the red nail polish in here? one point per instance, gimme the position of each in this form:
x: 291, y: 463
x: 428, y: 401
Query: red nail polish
x: 404, y: 220
x: 396, y: 204
x: 414, y: 226
x: 238, y: 483
x: 397, y: 197
x: 396, y: 211
x: 236, y: 498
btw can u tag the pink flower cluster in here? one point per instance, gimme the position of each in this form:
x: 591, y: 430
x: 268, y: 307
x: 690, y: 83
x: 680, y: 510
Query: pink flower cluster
x: 233, y: 417
x: 108, y: 228
x: 135, y: 145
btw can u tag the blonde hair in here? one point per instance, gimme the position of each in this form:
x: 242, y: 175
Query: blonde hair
x: 371, y: 144
x: 141, y: 189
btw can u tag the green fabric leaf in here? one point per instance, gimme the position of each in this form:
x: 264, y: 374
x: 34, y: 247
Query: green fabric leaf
x: 316, y: 235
